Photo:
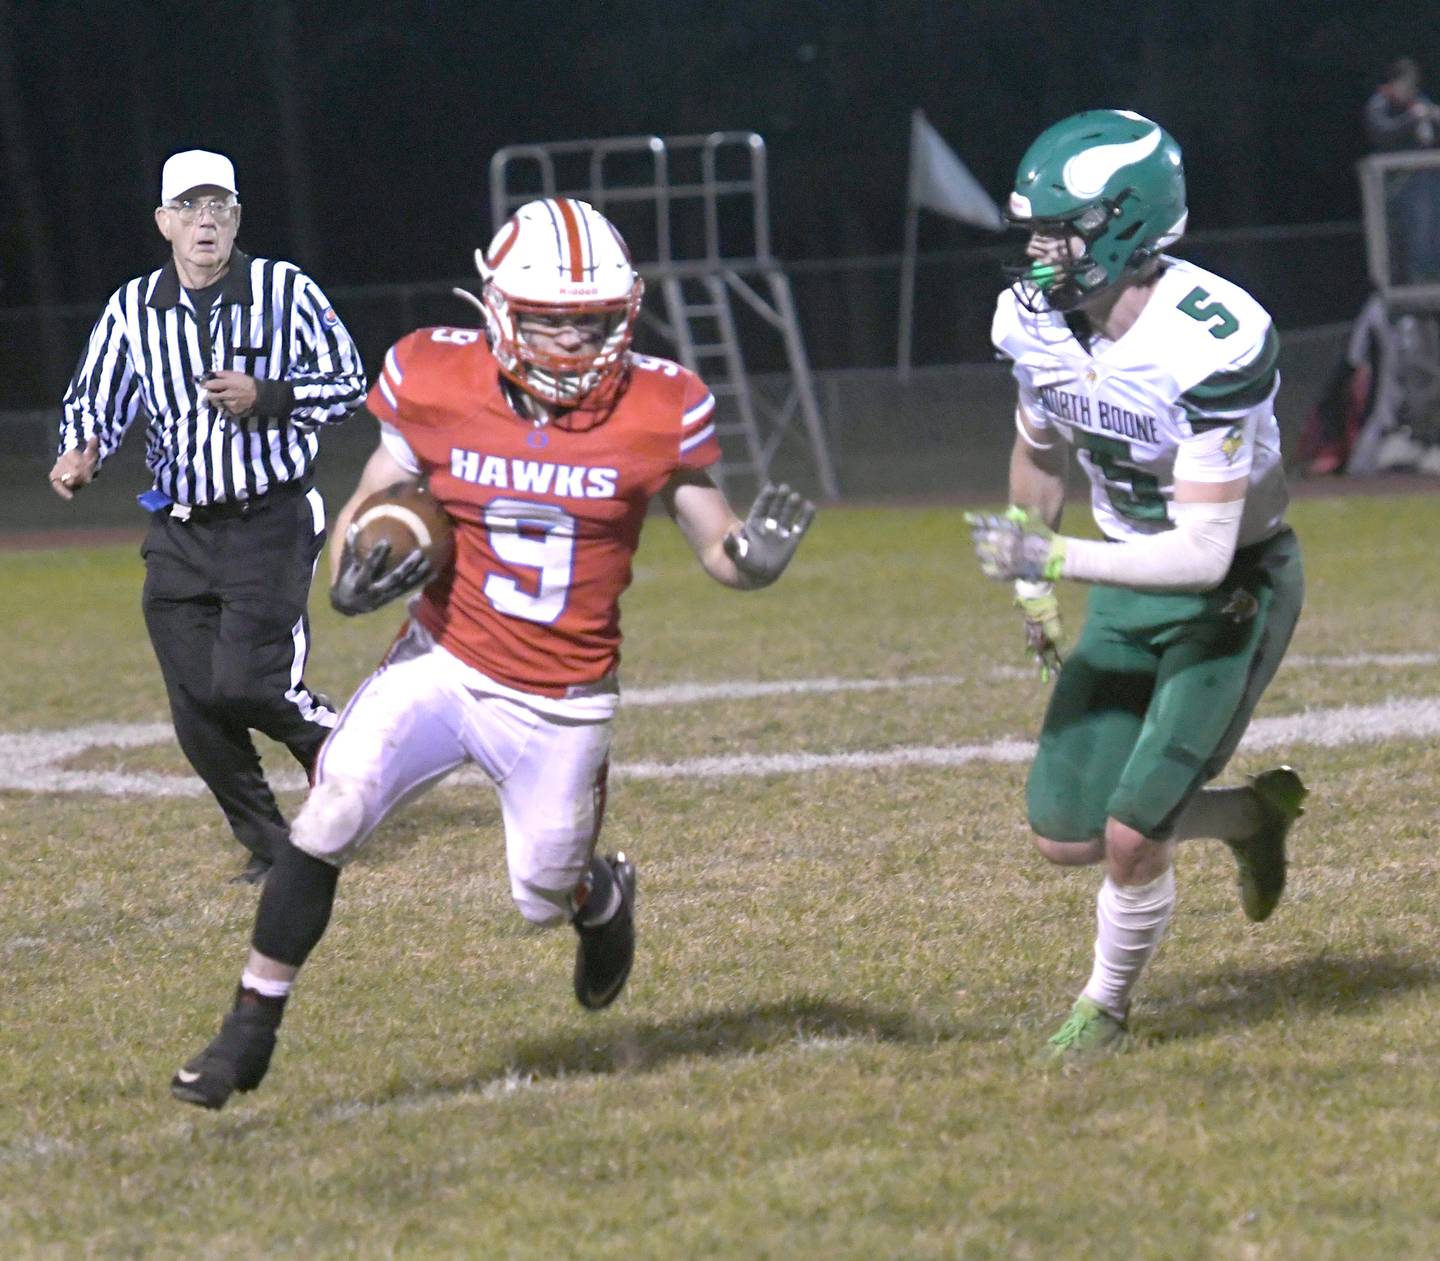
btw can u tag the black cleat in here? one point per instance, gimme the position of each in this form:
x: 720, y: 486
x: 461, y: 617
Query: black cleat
x: 254, y: 872
x: 236, y: 1059
x: 606, y: 951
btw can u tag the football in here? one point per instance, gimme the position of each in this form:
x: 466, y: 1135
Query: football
x: 406, y: 517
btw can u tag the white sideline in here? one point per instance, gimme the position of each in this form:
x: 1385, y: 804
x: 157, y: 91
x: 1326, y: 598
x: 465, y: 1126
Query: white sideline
x: 30, y: 761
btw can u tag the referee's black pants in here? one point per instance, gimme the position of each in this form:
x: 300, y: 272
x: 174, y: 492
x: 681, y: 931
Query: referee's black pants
x: 225, y: 604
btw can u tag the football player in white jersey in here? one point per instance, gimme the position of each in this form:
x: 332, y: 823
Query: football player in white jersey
x: 1162, y: 377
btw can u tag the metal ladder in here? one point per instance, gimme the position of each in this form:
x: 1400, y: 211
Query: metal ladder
x: 703, y: 327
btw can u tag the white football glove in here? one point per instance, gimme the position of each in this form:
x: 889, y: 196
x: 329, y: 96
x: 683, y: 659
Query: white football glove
x: 1016, y: 545
x: 1044, y: 632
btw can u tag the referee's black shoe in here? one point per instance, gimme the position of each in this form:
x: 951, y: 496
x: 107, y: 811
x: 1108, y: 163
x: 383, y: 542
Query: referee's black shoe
x: 236, y: 1059
x: 606, y: 950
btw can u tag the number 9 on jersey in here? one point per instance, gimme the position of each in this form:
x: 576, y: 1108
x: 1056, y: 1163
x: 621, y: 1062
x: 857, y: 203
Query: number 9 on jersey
x: 538, y: 537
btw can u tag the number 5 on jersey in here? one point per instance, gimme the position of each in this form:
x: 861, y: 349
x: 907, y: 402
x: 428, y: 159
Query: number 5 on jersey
x: 1199, y: 305
x: 539, y: 537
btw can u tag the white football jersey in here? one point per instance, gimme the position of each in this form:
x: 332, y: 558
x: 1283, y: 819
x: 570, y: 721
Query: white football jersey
x: 1188, y: 392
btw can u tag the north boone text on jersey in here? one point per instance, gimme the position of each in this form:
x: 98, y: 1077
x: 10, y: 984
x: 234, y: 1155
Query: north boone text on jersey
x: 1107, y: 417
x: 567, y: 481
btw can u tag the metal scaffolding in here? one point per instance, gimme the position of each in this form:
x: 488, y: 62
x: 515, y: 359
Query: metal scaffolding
x: 694, y: 211
x: 1400, y: 193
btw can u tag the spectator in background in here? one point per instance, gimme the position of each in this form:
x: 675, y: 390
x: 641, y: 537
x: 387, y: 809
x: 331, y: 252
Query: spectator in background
x: 1400, y: 118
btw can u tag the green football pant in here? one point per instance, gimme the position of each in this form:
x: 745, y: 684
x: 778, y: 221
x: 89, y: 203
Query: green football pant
x: 1159, y: 689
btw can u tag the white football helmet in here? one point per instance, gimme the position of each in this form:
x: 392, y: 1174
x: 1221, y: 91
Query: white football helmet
x: 559, y: 257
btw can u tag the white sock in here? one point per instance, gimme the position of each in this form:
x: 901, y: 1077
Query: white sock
x: 1131, y: 921
x: 591, y: 914
x: 264, y: 987
x: 1225, y: 814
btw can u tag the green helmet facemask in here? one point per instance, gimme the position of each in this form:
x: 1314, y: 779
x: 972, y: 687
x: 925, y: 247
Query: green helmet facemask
x: 1109, y: 177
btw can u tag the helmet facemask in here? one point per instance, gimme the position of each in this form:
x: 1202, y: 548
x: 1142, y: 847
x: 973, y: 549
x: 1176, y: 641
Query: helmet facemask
x: 552, y: 376
x: 1063, y: 283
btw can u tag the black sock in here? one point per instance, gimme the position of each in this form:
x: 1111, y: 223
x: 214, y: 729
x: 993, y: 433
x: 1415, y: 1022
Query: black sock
x: 294, y: 906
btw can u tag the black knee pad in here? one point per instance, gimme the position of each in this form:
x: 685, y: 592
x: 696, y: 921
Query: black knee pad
x: 294, y: 905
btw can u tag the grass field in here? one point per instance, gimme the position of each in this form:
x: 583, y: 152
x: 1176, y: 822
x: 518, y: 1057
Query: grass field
x: 845, y: 967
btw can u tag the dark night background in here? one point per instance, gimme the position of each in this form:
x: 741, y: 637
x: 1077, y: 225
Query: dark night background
x: 362, y: 133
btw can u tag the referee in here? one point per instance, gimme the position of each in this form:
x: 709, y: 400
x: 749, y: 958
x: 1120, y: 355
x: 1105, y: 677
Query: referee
x: 236, y: 362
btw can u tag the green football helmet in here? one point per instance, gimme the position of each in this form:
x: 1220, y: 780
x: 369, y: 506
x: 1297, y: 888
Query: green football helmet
x: 1109, y: 177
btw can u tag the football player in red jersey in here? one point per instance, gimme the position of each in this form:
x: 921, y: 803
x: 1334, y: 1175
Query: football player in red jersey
x: 545, y: 438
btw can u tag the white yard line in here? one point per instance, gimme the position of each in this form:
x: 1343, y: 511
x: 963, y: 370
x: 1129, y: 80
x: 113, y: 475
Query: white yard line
x: 31, y: 761
x: 813, y: 763
x: 1408, y: 719
x: 1386, y: 660
x: 692, y: 693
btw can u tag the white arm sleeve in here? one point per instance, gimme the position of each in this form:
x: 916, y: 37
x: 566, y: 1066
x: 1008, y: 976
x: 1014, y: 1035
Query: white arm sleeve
x: 1022, y: 413
x: 1194, y: 556
x: 398, y: 448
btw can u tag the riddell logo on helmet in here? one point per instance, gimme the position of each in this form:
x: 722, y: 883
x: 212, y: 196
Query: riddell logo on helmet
x: 580, y: 291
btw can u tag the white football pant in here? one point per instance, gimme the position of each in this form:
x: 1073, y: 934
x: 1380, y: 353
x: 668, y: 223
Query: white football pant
x: 424, y: 713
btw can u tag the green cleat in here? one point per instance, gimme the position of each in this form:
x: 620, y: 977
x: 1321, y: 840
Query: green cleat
x: 1089, y: 1031
x: 1260, y: 858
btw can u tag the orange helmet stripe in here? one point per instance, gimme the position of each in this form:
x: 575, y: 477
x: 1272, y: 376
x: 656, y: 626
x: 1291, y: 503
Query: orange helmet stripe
x: 510, y: 233
x: 572, y: 237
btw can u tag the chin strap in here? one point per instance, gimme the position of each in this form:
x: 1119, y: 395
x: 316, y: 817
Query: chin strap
x: 472, y: 300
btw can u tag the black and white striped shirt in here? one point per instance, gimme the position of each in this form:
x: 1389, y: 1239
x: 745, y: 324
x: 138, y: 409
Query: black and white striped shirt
x: 147, y: 351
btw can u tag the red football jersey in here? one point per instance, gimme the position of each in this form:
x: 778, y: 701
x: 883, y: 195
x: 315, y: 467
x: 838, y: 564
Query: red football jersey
x: 547, y: 519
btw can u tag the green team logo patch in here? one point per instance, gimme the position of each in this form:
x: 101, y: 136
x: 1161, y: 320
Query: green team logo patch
x: 1231, y: 443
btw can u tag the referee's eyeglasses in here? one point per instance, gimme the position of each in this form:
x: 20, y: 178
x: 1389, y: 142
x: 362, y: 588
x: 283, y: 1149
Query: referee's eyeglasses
x: 220, y: 209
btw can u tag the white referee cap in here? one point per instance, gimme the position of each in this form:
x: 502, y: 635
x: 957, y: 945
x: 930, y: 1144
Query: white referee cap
x: 194, y: 167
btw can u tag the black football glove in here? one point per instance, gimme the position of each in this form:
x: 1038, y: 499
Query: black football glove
x: 362, y: 587
x: 764, y: 545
